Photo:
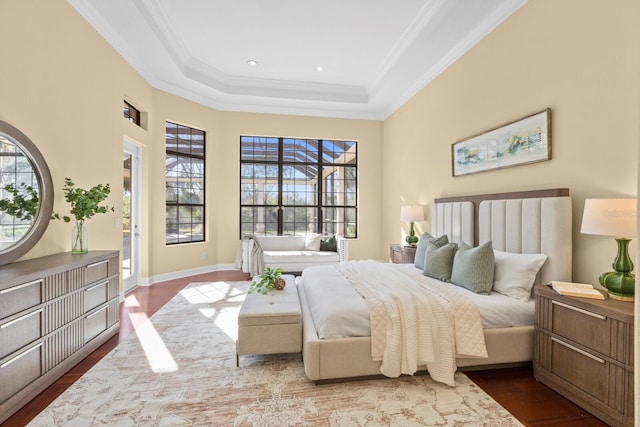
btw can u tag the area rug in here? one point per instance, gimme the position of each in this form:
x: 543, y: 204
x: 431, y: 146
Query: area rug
x: 179, y: 369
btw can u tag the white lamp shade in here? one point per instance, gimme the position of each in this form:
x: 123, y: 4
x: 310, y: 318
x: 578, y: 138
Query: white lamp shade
x: 610, y: 217
x: 412, y: 213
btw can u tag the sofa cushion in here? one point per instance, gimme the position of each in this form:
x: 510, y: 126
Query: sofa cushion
x: 288, y: 257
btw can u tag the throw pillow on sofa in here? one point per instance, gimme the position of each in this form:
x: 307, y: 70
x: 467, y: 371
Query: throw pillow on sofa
x: 312, y: 242
x: 329, y: 244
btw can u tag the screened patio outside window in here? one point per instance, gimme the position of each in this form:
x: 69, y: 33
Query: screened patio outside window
x: 295, y: 186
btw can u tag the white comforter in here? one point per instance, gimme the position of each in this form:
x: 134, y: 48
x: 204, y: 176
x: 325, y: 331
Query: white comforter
x: 415, y: 320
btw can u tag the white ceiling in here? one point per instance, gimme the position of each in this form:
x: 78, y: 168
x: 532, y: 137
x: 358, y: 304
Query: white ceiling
x: 376, y: 54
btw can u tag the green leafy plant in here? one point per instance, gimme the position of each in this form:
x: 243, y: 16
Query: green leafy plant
x: 84, y: 205
x: 270, y: 279
x: 23, y: 205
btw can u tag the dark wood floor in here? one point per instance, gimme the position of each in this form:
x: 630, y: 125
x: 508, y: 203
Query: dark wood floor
x: 514, y: 388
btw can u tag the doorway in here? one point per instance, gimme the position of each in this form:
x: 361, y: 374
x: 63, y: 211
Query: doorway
x: 131, y: 216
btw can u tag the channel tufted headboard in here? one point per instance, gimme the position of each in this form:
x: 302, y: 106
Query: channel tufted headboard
x: 518, y: 222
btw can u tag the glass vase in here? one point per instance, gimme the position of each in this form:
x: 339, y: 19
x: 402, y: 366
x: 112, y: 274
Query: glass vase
x: 79, y: 238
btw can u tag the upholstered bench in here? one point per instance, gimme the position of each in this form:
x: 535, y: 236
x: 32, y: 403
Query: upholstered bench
x: 271, y: 323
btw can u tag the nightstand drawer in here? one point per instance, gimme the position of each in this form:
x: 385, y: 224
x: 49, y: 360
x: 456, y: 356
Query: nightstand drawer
x: 581, y: 326
x: 582, y: 369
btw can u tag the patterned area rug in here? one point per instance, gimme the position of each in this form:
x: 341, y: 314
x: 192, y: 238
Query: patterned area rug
x: 179, y: 369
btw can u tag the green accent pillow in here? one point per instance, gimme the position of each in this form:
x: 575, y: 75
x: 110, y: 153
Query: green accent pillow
x: 473, y: 268
x: 330, y: 244
x: 438, y: 261
x: 421, y: 249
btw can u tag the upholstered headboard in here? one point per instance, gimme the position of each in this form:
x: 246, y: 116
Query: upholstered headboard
x: 519, y: 222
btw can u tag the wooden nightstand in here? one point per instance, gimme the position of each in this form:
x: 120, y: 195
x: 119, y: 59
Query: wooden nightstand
x: 584, y: 351
x: 401, y: 254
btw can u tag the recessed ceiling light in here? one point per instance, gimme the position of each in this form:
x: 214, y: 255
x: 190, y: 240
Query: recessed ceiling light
x: 319, y: 68
x: 252, y: 63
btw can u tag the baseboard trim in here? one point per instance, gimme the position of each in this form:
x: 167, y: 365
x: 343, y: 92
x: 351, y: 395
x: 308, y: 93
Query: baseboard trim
x: 148, y: 281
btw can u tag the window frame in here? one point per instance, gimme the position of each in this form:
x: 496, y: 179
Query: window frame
x: 322, y: 200
x: 127, y: 109
x: 183, y: 158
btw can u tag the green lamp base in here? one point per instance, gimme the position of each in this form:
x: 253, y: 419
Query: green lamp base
x: 411, y: 239
x: 621, y: 286
x: 620, y: 283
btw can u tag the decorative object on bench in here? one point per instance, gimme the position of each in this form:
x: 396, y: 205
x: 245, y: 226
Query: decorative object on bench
x: 617, y: 218
x: 271, y: 323
x: 411, y: 214
x: 269, y: 280
x: 84, y: 205
x: 291, y: 253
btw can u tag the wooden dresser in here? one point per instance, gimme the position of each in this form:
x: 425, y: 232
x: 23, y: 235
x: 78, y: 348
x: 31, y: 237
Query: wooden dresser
x: 401, y: 254
x: 584, y: 351
x: 54, y: 311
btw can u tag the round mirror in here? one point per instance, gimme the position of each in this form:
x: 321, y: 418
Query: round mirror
x: 26, y: 194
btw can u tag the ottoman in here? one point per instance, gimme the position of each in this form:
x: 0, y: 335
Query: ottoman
x: 271, y: 323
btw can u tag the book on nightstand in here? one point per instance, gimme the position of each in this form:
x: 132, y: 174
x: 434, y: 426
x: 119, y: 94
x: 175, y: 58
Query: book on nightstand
x: 582, y: 290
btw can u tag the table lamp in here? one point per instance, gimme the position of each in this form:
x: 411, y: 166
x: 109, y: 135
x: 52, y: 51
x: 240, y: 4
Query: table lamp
x: 617, y: 218
x: 411, y: 214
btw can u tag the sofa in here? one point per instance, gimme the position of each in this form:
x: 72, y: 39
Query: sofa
x: 291, y: 253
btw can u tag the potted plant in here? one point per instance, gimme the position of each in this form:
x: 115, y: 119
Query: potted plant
x: 23, y: 205
x: 84, y: 205
x: 270, y: 279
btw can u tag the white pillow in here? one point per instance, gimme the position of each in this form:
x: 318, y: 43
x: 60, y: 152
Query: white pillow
x: 515, y: 273
x: 312, y: 242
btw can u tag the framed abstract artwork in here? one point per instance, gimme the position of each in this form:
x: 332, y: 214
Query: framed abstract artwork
x: 523, y: 141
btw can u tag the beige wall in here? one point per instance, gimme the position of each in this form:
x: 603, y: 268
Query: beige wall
x: 581, y: 59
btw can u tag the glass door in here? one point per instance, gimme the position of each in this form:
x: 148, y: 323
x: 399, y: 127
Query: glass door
x: 130, y: 217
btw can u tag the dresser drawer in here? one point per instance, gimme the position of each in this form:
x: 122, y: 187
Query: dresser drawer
x: 19, y: 371
x: 97, y: 271
x: 95, y: 323
x: 20, y: 297
x: 19, y: 332
x: 95, y: 295
x: 589, y: 329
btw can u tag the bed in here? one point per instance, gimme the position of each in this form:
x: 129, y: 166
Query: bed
x: 530, y: 222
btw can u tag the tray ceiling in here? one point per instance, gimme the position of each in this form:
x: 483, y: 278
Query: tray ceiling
x: 374, y: 54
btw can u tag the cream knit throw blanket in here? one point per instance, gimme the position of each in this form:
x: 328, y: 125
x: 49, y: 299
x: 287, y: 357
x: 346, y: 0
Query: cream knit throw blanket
x: 416, y: 320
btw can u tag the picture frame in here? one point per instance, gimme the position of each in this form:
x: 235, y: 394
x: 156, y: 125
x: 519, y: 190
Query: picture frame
x: 523, y: 141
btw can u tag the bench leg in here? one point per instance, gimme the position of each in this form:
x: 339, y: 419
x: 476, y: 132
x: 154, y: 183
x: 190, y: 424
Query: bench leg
x: 237, y: 360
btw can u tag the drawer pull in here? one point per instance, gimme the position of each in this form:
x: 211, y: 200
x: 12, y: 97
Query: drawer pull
x: 96, y: 312
x: 20, y: 318
x: 24, y: 285
x: 584, y: 353
x: 95, y: 264
x: 10, y: 361
x: 579, y: 310
x: 96, y: 286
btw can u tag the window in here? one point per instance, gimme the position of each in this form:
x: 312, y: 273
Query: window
x: 185, y: 178
x: 293, y: 186
x: 131, y: 113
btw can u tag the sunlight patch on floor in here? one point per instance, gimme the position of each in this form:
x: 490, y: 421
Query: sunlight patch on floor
x: 131, y: 301
x: 200, y: 293
x: 159, y: 357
